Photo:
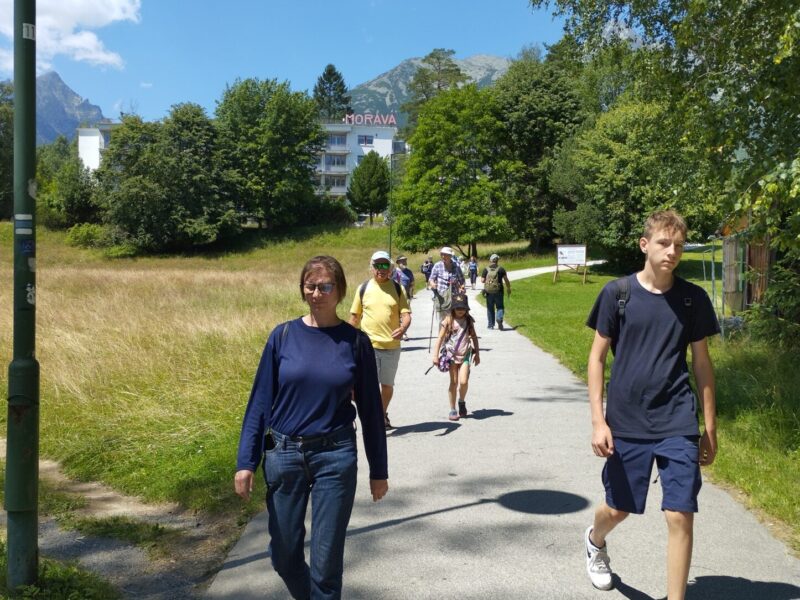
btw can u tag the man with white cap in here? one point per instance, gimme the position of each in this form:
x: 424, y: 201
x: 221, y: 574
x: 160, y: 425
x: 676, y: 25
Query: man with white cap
x: 493, y: 277
x: 380, y: 308
x: 446, y: 279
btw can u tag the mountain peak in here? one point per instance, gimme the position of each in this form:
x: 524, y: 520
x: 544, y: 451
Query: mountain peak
x: 389, y: 91
x: 59, y: 110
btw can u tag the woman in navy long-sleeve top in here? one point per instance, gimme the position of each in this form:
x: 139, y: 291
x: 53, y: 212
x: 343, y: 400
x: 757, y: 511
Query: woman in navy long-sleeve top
x: 300, y: 419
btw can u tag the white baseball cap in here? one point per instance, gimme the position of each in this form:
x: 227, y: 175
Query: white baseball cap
x: 446, y: 250
x: 494, y: 258
x: 381, y: 255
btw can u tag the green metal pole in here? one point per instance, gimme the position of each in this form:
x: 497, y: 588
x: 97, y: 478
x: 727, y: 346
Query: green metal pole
x: 22, y: 450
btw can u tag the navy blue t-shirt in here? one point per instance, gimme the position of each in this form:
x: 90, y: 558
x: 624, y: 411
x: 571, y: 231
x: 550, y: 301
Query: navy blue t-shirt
x: 305, y: 385
x: 649, y: 395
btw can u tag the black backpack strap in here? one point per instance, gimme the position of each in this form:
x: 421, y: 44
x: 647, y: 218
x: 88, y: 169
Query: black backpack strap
x: 623, y: 287
x: 361, y: 289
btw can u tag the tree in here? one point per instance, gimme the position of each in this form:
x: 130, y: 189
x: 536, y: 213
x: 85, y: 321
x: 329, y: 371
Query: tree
x: 6, y: 150
x: 162, y: 185
x: 539, y: 109
x: 66, y: 188
x: 370, y: 185
x: 452, y: 192
x: 437, y: 73
x: 330, y: 94
x: 272, y: 140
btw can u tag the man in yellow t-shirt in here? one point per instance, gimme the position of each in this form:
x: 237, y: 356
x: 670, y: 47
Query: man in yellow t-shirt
x: 381, y: 310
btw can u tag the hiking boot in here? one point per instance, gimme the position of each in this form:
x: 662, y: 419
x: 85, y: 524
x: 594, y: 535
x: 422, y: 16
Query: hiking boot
x: 597, y: 563
x: 491, y: 326
x: 500, y: 325
x: 462, y: 409
x: 453, y: 416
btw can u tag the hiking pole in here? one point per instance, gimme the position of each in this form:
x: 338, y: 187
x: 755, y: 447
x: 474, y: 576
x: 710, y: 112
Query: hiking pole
x: 429, y: 369
x: 433, y: 310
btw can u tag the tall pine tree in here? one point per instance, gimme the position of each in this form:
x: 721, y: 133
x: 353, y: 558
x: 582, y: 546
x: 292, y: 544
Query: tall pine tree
x: 330, y: 94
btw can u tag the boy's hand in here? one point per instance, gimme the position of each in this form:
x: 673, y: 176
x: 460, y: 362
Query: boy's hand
x: 708, y: 448
x: 602, y: 441
x: 243, y: 483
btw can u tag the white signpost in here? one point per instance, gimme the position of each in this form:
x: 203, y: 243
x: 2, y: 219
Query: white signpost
x: 571, y: 256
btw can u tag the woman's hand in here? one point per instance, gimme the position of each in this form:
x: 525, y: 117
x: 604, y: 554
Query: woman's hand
x: 378, y: 487
x: 243, y: 483
x: 476, y: 358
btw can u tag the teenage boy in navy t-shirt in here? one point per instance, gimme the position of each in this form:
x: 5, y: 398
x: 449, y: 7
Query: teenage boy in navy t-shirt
x: 651, y: 410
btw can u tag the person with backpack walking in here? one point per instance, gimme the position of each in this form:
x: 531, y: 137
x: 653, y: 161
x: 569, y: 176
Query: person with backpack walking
x: 473, y: 270
x: 380, y: 308
x: 459, y: 341
x: 316, y: 373
x: 648, y: 320
x: 426, y: 268
x: 446, y: 279
x: 493, y: 278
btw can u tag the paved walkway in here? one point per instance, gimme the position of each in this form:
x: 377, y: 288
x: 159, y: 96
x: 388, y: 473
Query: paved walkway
x: 495, y: 505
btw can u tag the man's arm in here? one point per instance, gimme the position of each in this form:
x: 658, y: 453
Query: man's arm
x: 508, y: 283
x: 704, y: 378
x: 602, y: 442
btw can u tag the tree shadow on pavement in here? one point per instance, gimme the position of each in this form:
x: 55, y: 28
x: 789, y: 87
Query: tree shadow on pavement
x: 427, y: 427
x: 543, y: 502
x: 721, y: 587
x: 488, y: 413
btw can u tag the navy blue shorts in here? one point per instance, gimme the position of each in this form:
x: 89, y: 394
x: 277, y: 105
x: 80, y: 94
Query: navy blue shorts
x: 626, y: 475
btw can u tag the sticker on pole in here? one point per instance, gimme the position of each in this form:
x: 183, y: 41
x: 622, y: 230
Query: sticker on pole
x: 29, y: 31
x: 23, y: 224
x: 30, y: 294
x: 27, y: 247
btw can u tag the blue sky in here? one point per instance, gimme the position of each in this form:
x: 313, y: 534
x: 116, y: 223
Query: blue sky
x: 144, y: 56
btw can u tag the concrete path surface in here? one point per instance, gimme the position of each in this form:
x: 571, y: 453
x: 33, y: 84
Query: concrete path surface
x: 496, y: 504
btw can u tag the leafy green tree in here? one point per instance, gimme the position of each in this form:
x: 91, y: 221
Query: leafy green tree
x: 452, y: 192
x: 330, y: 94
x: 65, y: 187
x: 370, y: 185
x: 437, y: 73
x: 627, y: 165
x: 731, y: 68
x: 162, y: 185
x: 539, y: 108
x: 272, y: 140
x: 6, y: 150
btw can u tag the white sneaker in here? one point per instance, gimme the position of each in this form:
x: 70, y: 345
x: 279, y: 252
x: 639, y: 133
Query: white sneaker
x: 597, y: 563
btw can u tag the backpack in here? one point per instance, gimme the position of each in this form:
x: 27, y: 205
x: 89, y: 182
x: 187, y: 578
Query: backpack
x: 492, y: 284
x: 363, y: 288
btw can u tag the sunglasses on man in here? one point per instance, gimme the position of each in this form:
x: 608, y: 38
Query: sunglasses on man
x: 381, y: 265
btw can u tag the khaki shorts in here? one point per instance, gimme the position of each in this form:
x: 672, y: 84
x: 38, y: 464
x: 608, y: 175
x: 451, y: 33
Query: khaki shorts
x: 387, y: 361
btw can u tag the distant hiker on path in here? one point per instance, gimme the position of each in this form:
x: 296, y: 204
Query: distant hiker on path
x: 426, y: 268
x: 381, y: 309
x: 457, y: 336
x: 648, y: 320
x: 473, y: 270
x: 404, y: 276
x: 300, y: 417
x: 492, y: 278
x: 446, y: 279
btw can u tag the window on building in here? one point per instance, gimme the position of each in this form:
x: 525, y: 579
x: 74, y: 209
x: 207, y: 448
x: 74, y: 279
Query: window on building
x: 335, y: 160
x: 366, y: 140
x: 336, y: 180
x: 360, y: 158
x: 337, y: 139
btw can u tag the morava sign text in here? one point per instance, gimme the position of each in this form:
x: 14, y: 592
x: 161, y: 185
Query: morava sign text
x: 388, y: 120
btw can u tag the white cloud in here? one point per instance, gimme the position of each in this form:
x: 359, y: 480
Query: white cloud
x: 146, y: 85
x: 64, y: 27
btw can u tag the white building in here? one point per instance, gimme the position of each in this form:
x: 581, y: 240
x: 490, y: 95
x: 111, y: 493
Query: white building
x: 346, y: 146
x: 92, y: 142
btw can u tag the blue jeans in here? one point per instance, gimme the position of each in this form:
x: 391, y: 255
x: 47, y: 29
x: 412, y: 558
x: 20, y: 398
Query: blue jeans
x: 494, y: 302
x: 324, y: 469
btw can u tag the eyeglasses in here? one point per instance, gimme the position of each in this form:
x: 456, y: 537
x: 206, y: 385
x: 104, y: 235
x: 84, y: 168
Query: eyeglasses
x: 381, y: 265
x: 324, y: 288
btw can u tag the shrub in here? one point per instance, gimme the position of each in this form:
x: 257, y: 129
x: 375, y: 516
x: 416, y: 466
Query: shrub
x: 88, y: 235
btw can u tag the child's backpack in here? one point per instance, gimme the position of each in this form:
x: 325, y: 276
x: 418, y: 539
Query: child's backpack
x: 492, y: 284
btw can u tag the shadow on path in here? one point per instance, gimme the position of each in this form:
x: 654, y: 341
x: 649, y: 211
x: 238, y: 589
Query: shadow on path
x: 720, y: 587
x: 488, y: 413
x: 537, y: 502
x: 426, y: 427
